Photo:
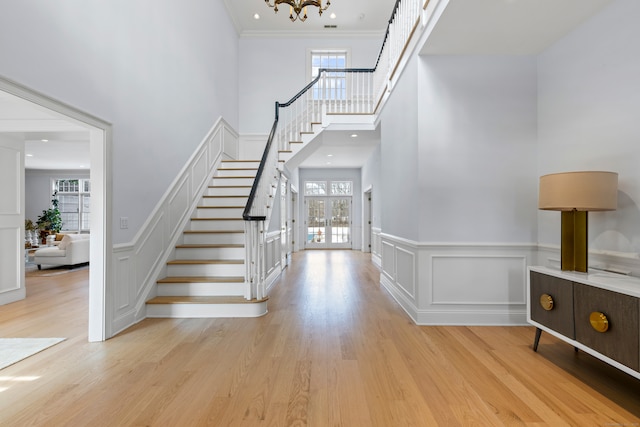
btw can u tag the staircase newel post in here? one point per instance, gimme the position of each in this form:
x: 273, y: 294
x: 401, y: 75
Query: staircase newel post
x: 260, y: 291
x: 248, y: 248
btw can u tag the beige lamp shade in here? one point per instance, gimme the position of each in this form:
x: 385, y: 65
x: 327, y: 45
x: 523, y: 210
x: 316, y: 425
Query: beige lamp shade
x: 581, y: 191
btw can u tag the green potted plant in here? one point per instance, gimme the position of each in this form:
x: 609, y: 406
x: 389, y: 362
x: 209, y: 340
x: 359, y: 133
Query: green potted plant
x: 50, y: 221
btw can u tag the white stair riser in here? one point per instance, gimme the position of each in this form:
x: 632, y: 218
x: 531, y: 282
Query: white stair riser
x: 245, y: 164
x: 218, y: 181
x: 199, y: 270
x: 201, y: 289
x: 219, y: 212
x: 228, y: 191
x: 209, y: 253
x: 206, y: 310
x: 285, y: 156
x: 217, y: 225
x: 224, y: 201
x: 218, y: 238
x: 236, y: 171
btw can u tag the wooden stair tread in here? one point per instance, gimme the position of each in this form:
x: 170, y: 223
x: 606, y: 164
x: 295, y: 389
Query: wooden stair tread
x: 234, y: 177
x: 237, y: 169
x: 213, y: 231
x: 204, y: 261
x: 217, y: 219
x: 235, y: 196
x: 231, y: 186
x: 204, y: 300
x: 243, y: 161
x: 220, y: 207
x: 210, y: 245
x: 202, y: 279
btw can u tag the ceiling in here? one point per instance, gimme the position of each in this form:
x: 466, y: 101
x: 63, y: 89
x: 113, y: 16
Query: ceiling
x: 506, y: 27
x: 51, y: 142
x: 520, y: 27
x: 350, y: 17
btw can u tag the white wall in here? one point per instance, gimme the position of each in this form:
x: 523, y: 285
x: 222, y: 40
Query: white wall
x: 275, y: 69
x: 371, y: 179
x: 477, y: 141
x: 160, y: 71
x: 399, y: 190
x: 589, y: 99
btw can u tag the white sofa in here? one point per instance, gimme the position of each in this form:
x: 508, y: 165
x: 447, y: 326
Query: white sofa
x: 73, y: 249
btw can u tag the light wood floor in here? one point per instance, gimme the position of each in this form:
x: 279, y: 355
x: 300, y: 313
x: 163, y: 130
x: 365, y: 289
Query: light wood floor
x: 334, y: 350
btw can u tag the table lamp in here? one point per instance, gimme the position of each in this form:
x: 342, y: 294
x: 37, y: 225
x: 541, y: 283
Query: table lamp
x: 575, y: 194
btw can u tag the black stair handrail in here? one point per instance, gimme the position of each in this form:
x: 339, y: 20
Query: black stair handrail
x: 247, y: 209
x: 254, y: 188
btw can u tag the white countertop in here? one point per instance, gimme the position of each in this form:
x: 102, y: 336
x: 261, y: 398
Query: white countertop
x: 620, y: 283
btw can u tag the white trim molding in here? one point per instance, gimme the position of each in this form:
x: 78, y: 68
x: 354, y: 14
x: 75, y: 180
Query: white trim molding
x: 457, y: 283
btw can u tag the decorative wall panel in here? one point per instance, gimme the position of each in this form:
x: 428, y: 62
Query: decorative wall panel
x: 478, y: 280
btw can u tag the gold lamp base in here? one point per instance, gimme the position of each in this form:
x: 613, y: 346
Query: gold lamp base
x: 573, y: 246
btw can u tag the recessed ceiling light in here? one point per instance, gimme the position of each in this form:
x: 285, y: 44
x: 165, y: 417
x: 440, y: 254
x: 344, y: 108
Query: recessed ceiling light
x: 332, y: 16
x: 256, y: 16
x: 29, y: 155
x: 354, y: 135
x: 328, y: 163
x: 329, y: 155
x: 44, y: 140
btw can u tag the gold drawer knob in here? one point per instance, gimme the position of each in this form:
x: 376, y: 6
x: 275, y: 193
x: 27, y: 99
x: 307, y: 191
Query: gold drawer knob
x: 599, y: 321
x: 546, y: 302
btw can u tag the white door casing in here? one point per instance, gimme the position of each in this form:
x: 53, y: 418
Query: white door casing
x: 12, y: 255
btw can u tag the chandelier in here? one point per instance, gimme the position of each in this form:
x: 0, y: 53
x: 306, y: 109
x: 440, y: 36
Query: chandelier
x: 298, y: 6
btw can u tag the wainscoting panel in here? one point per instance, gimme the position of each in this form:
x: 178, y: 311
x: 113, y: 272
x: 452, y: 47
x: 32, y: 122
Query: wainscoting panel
x: 123, y: 297
x: 10, y: 260
x: 230, y: 143
x: 148, y: 253
x: 273, y: 252
x: 200, y: 171
x: 178, y: 205
x: 405, y: 271
x: 478, y: 280
x: 457, y: 284
x: 388, y: 260
x: 10, y: 170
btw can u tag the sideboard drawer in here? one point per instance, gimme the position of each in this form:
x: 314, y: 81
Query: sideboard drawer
x: 616, y: 314
x: 556, y: 313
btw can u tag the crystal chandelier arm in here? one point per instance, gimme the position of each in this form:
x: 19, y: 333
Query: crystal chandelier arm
x: 275, y: 4
x: 316, y: 3
x: 298, y: 5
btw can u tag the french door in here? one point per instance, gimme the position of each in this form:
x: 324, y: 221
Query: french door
x: 328, y: 222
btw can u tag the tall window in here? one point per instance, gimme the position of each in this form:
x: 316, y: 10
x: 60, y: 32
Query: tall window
x: 74, y: 197
x: 333, y: 85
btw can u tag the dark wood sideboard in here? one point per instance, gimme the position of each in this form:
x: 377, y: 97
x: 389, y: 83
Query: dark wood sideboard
x: 596, y: 312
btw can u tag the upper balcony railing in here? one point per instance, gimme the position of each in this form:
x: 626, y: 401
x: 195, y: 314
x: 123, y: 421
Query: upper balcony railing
x: 351, y: 91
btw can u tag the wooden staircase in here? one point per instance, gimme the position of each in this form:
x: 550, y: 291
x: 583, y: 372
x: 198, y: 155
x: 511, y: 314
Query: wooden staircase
x: 207, y: 276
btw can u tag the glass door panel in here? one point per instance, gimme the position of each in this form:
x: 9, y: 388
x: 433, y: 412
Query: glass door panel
x: 341, y: 222
x: 328, y: 222
x: 316, y: 222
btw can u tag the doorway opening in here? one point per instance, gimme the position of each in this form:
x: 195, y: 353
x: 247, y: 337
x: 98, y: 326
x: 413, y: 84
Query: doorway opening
x: 99, y: 218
